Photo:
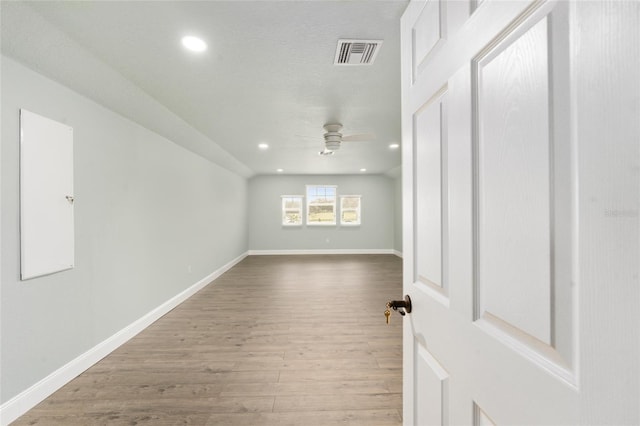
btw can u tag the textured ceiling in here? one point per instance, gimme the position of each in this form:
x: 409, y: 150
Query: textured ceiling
x: 267, y: 76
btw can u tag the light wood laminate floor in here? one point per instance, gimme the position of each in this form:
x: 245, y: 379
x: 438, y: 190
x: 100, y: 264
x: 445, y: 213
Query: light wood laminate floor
x: 277, y: 340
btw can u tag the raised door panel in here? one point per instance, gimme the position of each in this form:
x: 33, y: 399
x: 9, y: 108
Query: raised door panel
x: 430, y: 146
x: 429, y: 32
x: 431, y: 390
x: 523, y: 160
x: 513, y: 192
x: 480, y: 418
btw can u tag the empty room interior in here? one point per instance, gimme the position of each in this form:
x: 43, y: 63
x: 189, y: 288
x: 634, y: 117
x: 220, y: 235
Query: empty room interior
x: 319, y: 212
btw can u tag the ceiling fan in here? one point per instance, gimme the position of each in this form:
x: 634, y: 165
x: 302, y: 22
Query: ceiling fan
x: 333, y: 138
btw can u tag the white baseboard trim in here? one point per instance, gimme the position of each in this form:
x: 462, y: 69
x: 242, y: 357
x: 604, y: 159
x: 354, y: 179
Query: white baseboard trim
x: 29, y: 398
x: 398, y: 253
x: 320, y: 251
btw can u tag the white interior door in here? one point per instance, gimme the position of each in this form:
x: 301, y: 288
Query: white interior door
x: 499, y: 228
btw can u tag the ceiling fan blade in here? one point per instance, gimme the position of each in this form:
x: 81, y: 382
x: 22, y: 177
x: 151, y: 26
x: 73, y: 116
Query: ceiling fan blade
x: 362, y: 137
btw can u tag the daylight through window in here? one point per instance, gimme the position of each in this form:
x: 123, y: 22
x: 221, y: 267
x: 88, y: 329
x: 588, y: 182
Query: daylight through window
x: 292, y: 210
x: 350, y: 210
x: 321, y: 205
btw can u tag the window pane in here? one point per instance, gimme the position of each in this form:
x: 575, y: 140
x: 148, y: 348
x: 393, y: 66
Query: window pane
x: 349, y: 216
x: 291, y: 203
x: 350, y: 210
x: 350, y: 202
x: 321, y: 205
x: 292, y: 217
x: 292, y: 210
x: 321, y: 213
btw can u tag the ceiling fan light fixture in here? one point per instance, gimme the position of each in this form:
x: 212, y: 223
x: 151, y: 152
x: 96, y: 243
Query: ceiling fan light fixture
x: 333, y: 137
x: 332, y: 145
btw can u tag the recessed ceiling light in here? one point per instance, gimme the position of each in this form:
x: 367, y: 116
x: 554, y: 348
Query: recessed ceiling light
x: 194, y: 44
x: 363, y: 170
x: 279, y: 170
x: 394, y: 146
x: 263, y: 146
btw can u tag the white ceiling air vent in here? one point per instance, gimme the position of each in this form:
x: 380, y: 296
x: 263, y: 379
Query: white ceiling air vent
x: 357, y: 52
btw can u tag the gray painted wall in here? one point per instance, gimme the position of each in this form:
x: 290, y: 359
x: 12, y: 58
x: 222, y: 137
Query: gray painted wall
x: 145, y: 210
x: 375, y: 233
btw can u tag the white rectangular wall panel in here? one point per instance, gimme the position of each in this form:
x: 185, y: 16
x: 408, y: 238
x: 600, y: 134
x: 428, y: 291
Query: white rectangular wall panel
x: 46, y: 196
x: 513, y: 193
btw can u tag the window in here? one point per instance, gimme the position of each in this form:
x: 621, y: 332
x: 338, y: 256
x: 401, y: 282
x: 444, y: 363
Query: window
x: 321, y: 205
x: 292, y: 210
x: 350, y: 210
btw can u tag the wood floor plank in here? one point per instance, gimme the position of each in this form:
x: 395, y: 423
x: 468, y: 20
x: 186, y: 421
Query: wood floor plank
x: 336, y: 402
x: 310, y: 418
x: 277, y: 340
x: 337, y: 375
x: 306, y: 388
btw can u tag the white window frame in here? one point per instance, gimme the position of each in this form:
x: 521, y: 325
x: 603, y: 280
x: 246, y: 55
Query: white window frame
x: 284, y: 209
x: 333, y: 204
x: 358, y: 210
